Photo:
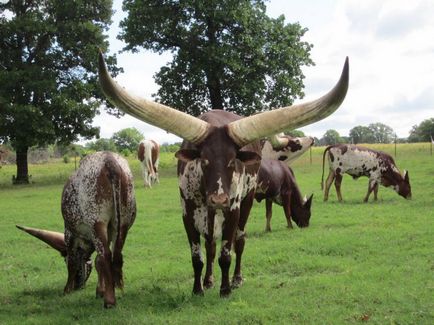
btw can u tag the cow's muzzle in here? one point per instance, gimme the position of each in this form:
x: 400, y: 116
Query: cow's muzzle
x: 218, y: 201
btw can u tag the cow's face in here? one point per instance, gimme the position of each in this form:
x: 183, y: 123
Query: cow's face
x: 301, y: 214
x: 220, y: 160
x: 403, y: 188
x: 79, y: 265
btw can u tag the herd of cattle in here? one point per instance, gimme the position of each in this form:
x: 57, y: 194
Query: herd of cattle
x: 225, y: 162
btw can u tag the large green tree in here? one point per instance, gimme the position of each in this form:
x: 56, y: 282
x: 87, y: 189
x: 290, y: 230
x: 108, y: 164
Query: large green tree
x: 422, y: 132
x: 227, y: 54
x: 382, y: 133
x: 48, y: 84
x: 128, y: 138
x: 331, y: 137
x: 361, y: 134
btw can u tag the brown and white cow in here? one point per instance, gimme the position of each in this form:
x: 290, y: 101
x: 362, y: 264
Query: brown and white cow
x: 149, y: 155
x: 218, y: 165
x: 285, y: 148
x: 359, y: 161
x: 276, y: 183
x: 98, y: 208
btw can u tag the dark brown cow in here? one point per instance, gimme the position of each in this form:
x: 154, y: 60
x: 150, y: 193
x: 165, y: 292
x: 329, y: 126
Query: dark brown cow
x: 276, y: 183
x: 217, y: 167
x: 149, y: 155
x: 98, y: 207
x: 359, y: 161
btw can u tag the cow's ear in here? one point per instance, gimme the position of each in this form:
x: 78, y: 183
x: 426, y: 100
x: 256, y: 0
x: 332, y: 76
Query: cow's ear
x: 308, y: 202
x: 248, y: 157
x: 406, y: 177
x: 187, y: 155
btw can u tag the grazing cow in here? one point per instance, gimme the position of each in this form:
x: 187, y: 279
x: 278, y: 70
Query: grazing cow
x: 276, y: 183
x: 285, y: 148
x: 98, y: 208
x: 217, y: 167
x: 149, y: 156
x: 359, y: 161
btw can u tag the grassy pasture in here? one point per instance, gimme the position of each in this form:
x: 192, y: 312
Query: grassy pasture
x: 357, y: 263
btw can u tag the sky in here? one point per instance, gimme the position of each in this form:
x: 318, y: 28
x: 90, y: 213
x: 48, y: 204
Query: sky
x: 391, y: 53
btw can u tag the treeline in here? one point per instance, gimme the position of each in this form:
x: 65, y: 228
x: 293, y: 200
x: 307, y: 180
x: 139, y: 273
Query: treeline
x: 374, y: 133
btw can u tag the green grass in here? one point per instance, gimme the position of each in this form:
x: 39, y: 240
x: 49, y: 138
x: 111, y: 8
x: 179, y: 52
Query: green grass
x: 356, y: 262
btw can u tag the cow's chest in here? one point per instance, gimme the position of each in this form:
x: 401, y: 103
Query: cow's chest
x: 193, y: 200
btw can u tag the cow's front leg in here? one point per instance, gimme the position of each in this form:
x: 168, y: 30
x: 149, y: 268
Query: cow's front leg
x: 240, y: 240
x: 210, y: 245
x: 230, y: 225
x: 196, y: 255
x: 268, y: 213
x: 371, y: 187
x: 286, y: 204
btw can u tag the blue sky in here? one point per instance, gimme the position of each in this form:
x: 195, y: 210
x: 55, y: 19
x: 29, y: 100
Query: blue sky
x: 391, y: 53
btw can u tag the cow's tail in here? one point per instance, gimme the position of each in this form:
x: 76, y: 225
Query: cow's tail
x: 149, y: 172
x: 115, y: 175
x: 323, y: 162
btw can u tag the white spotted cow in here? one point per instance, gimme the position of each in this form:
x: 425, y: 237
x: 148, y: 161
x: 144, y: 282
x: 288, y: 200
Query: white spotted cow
x: 358, y: 161
x: 149, y: 155
x: 285, y: 148
x: 218, y: 165
x: 98, y: 208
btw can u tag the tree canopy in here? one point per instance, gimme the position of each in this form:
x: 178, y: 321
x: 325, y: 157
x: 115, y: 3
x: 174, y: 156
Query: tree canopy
x: 127, y: 139
x: 423, y: 131
x: 48, y: 84
x: 373, y: 133
x: 227, y: 54
x: 331, y: 137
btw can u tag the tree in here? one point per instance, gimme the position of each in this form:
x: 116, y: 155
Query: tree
x: 361, y: 134
x: 227, y: 54
x: 382, y: 133
x: 331, y: 137
x: 422, y: 132
x: 102, y: 145
x: 128, y: 138
x: 48, y: 84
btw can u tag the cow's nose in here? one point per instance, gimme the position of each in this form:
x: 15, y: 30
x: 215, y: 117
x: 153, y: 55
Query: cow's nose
x: 219, y: 201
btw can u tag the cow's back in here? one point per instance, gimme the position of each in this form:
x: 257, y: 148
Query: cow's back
x: 88, y: 196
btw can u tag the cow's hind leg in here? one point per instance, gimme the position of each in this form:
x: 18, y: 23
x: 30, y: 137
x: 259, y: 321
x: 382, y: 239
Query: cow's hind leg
x: 338, y: 182
x: 118, y: 258
x: 328, y: 183
x: 104, y: 263
x: 208, y: 281
x: 286, y: 204
x: 268, y: 213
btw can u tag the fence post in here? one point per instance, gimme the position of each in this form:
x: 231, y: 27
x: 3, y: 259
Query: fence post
x: 310, y: 154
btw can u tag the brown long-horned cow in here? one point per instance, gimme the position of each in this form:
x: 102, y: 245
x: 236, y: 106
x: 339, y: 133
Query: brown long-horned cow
x: 98, y: 208
x: 217, y: 166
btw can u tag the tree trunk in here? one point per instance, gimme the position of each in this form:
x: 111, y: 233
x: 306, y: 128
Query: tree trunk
x: 22, y: 167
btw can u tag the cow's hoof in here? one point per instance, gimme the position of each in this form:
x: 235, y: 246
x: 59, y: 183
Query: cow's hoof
x: 225, y: 292
x: 237, y: 281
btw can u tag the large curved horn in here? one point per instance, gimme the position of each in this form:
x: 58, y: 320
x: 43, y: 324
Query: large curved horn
x: 183, y: 125
x: 52, y: 238
x: 258, y: 126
